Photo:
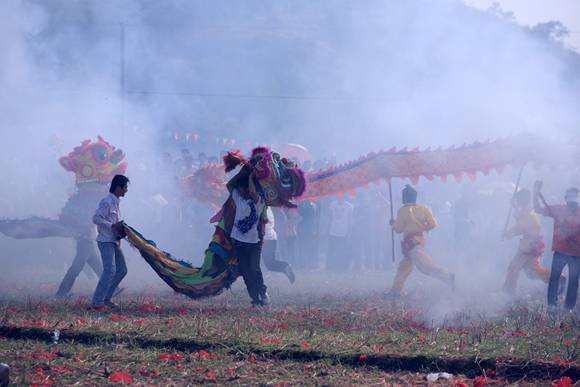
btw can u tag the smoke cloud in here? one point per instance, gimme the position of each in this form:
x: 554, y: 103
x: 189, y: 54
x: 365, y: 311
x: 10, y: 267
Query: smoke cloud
x: 343, y: 78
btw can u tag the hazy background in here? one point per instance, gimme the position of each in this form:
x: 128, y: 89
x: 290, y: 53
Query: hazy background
x: 341, y: 77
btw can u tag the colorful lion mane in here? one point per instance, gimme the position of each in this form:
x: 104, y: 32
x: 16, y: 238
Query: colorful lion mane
x: 94, y: 161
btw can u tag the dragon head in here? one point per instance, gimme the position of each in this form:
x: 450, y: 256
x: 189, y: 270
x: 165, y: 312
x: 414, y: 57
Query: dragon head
x: 94, y: 161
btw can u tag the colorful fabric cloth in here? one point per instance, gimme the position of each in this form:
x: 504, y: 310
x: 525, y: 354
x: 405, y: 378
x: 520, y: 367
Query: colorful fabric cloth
x: 220, y: 266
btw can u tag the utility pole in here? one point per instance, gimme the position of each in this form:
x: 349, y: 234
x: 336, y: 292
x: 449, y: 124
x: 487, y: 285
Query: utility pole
x: 122, y: 83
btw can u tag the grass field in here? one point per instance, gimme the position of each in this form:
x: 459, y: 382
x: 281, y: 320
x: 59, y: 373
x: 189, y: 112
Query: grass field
x: 337, y: 338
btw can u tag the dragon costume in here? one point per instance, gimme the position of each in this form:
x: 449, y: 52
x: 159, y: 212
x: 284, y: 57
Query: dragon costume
x: 94, y: 164
x: 208, y: 183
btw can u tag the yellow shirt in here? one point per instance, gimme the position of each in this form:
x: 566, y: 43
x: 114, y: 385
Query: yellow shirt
x: 528, y: 226
x: 414, y: 219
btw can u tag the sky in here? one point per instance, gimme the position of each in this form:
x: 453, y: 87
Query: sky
x: 532, y: 12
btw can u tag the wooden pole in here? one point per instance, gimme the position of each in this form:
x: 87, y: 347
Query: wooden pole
x: 392, y: 220
x: 509, y: 215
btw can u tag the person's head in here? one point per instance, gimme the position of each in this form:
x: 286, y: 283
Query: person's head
x: 571, y: 196
x: 119, y: 185
x: 523, y: 198
x: 409, y: 195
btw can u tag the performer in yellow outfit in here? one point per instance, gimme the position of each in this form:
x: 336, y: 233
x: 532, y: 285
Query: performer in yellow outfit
x: 531, y: 246
x: 413, y: 221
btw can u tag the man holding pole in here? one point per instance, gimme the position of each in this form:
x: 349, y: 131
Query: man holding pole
x: 565, y: 243
x: 531, y: 246
x: 413, y: 221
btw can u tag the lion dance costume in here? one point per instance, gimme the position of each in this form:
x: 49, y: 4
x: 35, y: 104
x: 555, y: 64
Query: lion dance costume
x: 94, y: 164
x: 279, y: 182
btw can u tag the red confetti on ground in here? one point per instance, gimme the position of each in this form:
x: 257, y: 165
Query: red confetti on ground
x: 121, y: 377
x: 564, y: 381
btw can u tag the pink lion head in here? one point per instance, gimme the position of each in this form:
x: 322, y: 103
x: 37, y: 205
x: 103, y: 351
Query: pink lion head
x: 94, y: 161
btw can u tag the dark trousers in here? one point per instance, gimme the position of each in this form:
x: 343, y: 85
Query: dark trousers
x: 269, y: 257
x: 85, y: 254
x: 248, y: 255
x: 558, y: 264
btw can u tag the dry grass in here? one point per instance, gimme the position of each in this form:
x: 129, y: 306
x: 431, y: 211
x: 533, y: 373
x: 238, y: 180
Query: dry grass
x: 171, y: 340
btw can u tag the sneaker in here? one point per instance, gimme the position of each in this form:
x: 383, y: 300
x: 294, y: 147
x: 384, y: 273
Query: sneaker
x: 111, y: 304
x: 256, y: 303
x: 97, y: 308
x: 290, y: 274
x: 265, y: 299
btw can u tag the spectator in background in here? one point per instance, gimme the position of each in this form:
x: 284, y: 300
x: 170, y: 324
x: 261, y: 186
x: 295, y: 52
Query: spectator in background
x: 307, y: 232
x: 202, y: 158
x: 286, y: 228
x: 361, y: 238
x: 339, y: 252
x: 185, y: 164
x: 270, y: 249
x: 380, y: 230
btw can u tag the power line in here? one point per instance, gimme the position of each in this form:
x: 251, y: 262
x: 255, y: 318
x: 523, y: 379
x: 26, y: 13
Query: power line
x: 260, y: 96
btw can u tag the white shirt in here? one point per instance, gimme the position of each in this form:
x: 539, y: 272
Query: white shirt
x: 105, y: 216
x: 340, y: 218
x: 245, y: 217
x: 270, y: 232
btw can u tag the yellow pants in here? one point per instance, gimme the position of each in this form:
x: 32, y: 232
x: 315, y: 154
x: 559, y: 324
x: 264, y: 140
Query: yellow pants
x: 530, y: 264
x: 424, y: 263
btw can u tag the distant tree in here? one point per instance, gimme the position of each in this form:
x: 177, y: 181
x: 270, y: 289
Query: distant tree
x: 553, y: 30
x: 497, y: 10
